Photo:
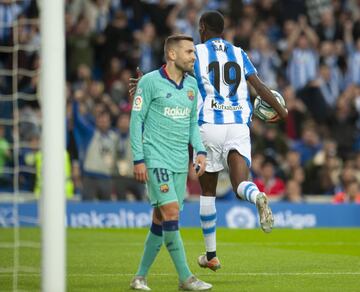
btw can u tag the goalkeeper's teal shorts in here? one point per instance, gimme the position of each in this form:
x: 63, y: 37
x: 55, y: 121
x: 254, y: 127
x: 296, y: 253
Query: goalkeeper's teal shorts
x: 165, y: 186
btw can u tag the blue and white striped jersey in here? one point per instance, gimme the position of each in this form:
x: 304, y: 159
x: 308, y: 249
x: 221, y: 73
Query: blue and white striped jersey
x: 221, y: 70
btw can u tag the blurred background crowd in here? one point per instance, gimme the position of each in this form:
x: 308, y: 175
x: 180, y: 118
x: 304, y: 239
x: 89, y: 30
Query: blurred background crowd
x: 308, y: 50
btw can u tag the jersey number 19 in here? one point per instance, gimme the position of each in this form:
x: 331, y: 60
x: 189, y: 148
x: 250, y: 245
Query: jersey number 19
x: 231, y: 75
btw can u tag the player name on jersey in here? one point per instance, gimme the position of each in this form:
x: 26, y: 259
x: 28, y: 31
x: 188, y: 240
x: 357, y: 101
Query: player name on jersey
x: 220, y: 47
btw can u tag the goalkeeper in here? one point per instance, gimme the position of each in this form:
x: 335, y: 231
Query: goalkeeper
x: 163, y: 122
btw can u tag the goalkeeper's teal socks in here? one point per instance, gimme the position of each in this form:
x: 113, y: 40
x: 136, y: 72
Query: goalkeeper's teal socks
x: 174, y: 245
x: 152, y: 247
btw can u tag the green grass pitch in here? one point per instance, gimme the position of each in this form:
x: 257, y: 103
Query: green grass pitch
x: 285, y: 260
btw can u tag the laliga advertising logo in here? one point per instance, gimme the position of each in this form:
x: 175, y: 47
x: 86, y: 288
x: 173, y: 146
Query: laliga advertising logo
x: 138, y: 100
x: 137, y: 103
x: 240, y: 217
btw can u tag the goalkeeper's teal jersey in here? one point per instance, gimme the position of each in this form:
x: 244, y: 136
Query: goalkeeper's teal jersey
x: 164, y: 121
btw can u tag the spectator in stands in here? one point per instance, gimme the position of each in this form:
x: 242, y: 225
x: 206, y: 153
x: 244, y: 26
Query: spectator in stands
x: 184, y: 19
x: 27, y: 161
x: 5, y: 156
x: 108, y: 39
x: 268, y: 182
x: 353, y: 50
x: 117, y: 40
x: 126, y: 187
x: 293, y: 192
x: 315, y: 9
x: 328, y: 29
x: 331, y: 54
x: 120, y: 90
x: 343, y: 126
x: 69, y: 185
x: 299, y: 175
x: 112, y: 75
x: 256, y: 164
x: 80, y: 46
x: 243, y: 33
x: 272, y: 143
x: 357, y: 166
x: 351, y: 193
x: 99, y: 14
x: 347, y: 175
x: 265, y: 59
x: 329, y: 87
x: 292, y: 161
x: 76, y: 177
x: 297, y: 113
x: 158, y: 12
x: 291, y: 9
x: 10, y: 10
x: 309, y: 144
x: 150, y: 48
x: 354, y: 63
x: 323, y: 171
x: 97, y: 151
x: 29, y: 124
x: 303, y: 63
x: 82, y: 78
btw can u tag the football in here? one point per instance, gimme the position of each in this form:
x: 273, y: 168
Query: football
x: 263, y: 110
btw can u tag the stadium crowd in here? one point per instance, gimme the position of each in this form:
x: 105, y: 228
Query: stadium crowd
x: 307, y: 50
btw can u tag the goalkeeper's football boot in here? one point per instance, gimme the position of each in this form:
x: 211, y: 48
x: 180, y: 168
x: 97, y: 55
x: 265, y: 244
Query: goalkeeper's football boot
x: 194, y: 284
x: 139, y: 283
x: 213, y: 264
x: 265, y: 214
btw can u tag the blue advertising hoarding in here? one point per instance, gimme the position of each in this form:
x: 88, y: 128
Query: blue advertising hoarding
x: 229, y: 214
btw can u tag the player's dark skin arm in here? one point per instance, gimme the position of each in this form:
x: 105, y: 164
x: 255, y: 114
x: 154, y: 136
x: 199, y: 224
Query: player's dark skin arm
x: 134, y: 81
x: 267, y: 95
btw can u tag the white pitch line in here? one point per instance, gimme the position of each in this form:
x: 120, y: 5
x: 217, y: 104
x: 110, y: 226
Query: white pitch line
x: 195, y: 243
x: 191, y: 243
x: 3, y: 274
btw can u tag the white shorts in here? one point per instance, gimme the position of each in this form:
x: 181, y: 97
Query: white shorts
x: 220, y: 139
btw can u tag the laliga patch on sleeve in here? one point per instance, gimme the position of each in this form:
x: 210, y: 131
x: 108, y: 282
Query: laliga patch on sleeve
x: 137, y: 103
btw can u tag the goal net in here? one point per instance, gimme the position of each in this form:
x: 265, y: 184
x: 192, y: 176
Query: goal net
x: 32, y: 258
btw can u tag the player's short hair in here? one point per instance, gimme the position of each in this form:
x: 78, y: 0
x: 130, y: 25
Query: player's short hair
x: 174, y: 39
x: 213, y: 21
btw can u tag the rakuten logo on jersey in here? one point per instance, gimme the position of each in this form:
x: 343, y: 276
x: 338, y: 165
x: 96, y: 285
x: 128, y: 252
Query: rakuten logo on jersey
x: 177, y: 112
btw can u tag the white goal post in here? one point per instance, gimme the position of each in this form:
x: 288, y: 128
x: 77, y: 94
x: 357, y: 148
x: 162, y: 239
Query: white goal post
x: 52, y: 92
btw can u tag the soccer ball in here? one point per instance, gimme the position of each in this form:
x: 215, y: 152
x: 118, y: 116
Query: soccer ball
x: 263, y: 110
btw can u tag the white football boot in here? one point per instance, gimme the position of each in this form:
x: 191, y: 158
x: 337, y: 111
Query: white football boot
x: 139, y: 283
x: 265, y: 214
x: 213, y: 264
x: 194, y: 284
